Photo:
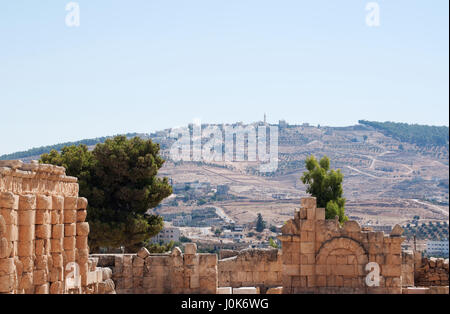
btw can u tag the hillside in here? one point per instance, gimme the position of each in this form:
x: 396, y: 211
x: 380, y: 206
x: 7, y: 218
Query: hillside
x: 388, y: 178
x: 421, y: 135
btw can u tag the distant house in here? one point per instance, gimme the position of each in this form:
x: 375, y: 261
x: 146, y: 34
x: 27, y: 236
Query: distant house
x: 167, y: 235
x: 437, y: 248
x: 384, y: 228
x: 223, y: 189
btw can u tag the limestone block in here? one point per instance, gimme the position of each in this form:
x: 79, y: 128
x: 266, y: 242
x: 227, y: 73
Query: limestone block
x: 70, y: 216
x: 138, y: 261
x: 40, y: 277
x: 190, y: 248
x: 352, y: 226
x: 81, y: 203
x: 7, y: 266
x: 25, y: 248
x: 43, y: 231
x: 246, y: 290
x: 397, y: 231
x: 138, y: 271
x: 224, y: 290
x: 42, y: 217
x: 69, y: 243
x: 81, y: 215
x: 107, y: 273
x: 57, y: 202
x: 7, y: 217
x: 320, y: 214
x: 27, y: 217
x: 41, y: 262
x: 56, y: 245
x: 143, y: 253
x: 82, y: 229
x: 307, y: 248
x: 26, y: 233
x: 56, y: 287
x: 128, y: 260
x: 82, y: 242
x: 308, y: 202
x: 57, y: 259
x: 70, y: 203
x: 9, y: 200
x: 70, y: 230
x: 27, y: 202
x: 391, y: 270
x: 276, y: 290
x: 43, y: 202
x: 311, y: 213
x: 26, y: 282
x: 56, y: 217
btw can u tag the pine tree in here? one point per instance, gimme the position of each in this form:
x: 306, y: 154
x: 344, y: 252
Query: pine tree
x: 260, y: 223
x: 119, y: 179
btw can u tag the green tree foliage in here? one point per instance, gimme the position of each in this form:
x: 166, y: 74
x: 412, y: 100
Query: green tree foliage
x: 160, y: 247
x: 272, y: 243
x: 421, y: 135
x: 260, y: 223
x: 119, y: 178
x: 326, y: 186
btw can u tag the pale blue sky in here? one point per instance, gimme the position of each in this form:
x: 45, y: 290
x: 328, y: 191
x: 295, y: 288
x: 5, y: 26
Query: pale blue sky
x: 144, y: 65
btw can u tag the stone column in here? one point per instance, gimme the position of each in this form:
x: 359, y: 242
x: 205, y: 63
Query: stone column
x: 56, y: 245
x: 43, y: 262
x: 9, y: 204
x: 191, y: 269
x: 77, y: 236
x: 26, y: 223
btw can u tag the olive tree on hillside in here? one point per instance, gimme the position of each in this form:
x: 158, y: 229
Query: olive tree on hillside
x: 326, y: 186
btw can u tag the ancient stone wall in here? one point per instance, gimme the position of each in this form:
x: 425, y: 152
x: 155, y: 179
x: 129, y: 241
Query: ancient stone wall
x: 320, y: 256
x: 260, y: 268
x: 408, y: 269
x: 43, y: 233
x: 174, y: 272
x: 431, y: 272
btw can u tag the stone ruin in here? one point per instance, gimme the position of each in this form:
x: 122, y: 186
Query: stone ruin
x: 172, y: 273
x: 321, y: 256
x: 260, y: 268
x: 43, y: 233
x: 44, y: 249
x: 431, y: 272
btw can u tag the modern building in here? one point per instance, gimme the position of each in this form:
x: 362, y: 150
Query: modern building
x: 166, y: 235
x: 437, y: 248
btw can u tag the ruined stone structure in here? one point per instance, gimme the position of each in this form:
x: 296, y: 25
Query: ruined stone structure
x: 320, y: 256
x: 44, y: 249
x: 431, y: 272
x: 261, y: 268
x: 174, y: 272
x: 43, y: 233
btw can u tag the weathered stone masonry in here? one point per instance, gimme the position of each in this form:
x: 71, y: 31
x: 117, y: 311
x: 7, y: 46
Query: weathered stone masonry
x: 320, y: 256
x: 261, y: 268
x: 42, y: 230
x: 174, y: 272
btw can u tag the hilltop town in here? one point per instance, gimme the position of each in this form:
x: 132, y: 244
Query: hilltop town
x: 387, y: 181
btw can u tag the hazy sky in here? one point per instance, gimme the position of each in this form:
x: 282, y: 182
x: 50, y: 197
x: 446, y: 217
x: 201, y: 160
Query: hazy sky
x: 143, y: 65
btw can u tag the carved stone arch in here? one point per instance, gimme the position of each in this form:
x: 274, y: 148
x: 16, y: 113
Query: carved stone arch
x: 342, y: 242
x: 342, y: 259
